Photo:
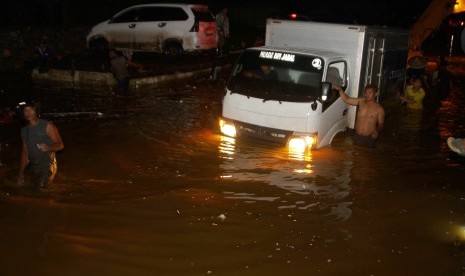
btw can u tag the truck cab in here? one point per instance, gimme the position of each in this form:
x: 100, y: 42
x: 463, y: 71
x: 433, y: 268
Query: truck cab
x: 277, y: 95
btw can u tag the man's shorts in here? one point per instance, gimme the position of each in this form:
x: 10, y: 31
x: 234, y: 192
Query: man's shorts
x: 364, y: 141
x: 40, y: 176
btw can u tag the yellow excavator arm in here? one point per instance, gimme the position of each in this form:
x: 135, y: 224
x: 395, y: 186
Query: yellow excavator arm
x: 430, y: 20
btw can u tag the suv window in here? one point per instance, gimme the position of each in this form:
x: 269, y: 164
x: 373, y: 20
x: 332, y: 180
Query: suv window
x: 203, y: 15
x: 162, y: 14
x: 129, y: 16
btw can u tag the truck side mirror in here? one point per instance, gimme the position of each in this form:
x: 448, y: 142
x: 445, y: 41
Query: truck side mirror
x: 326, y: 88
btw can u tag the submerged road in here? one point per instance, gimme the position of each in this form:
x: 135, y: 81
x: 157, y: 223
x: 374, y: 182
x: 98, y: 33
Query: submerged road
x: 147, y: 186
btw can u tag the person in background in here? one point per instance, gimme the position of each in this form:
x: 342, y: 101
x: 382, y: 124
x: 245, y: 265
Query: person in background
x: 40, y: 141
x: 222, y: 23
x: 414, y: 95
x: 266, y: 72
x: 43, y: 56
x: 442, y: 78
x: 416, y: 69
x: 238, y: 49
x: 370, y: 116
x: 119, y: 66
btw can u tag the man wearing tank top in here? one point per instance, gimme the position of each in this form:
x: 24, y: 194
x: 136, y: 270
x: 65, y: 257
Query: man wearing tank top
x: 41, y: 140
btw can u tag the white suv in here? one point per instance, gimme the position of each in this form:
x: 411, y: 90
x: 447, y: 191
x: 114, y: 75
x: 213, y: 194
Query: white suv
x: 164, y: 28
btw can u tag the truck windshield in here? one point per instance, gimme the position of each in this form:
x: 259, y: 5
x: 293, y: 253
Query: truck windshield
x: 278, y: 76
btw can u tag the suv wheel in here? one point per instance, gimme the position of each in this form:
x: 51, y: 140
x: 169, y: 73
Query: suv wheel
x: 99, y: 47
x: 173, y: 49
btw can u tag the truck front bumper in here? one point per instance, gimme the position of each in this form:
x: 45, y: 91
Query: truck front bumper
x: 298, y: 142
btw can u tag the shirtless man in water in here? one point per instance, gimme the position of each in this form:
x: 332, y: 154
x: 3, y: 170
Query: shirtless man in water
x: 370, y: 116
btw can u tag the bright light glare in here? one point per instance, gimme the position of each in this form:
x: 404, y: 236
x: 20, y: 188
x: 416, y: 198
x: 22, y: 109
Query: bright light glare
x: 297, y: 145
x: 300, y: 144
x: 461, y: 232
x: 227, y: 129
x: 323, y: 98
x: 459, y: 6
x: 310, y: 141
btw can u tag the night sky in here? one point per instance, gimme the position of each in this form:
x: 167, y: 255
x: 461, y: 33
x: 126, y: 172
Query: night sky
x: 243, y: 12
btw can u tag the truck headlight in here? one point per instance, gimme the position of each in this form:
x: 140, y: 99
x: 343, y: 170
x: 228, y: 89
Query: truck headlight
x: 227, y: 128
x: 301, y: 143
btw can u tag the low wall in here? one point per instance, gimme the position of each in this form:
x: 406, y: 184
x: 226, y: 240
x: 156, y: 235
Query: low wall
x: 105, y: 82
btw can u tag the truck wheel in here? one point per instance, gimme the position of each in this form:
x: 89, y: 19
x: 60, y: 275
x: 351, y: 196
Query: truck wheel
x: 173, y: 49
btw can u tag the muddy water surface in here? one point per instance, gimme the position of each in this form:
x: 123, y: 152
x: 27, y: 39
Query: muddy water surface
x: 147, y: 186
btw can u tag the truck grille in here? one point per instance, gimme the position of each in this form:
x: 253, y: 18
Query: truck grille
x: 262, y: 133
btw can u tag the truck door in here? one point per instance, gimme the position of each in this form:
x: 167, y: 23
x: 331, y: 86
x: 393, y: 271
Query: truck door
x: 334, y: 116
x: 374, y: 61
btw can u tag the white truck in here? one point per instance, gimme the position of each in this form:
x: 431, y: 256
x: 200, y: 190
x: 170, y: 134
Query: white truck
x: 282, y: 92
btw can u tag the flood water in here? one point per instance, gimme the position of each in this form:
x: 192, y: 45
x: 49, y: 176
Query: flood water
x: 147, y: 186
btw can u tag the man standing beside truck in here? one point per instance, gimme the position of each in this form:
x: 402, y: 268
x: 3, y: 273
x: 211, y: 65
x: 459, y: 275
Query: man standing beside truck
x: 222, y: 23
x: 370, y: 116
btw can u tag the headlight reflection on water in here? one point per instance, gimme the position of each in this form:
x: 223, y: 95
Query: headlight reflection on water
x: 227, y: 148
x: 306, y: 181
x: 305, y: 156
x: 307, y: 170
x: 227, y: 151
